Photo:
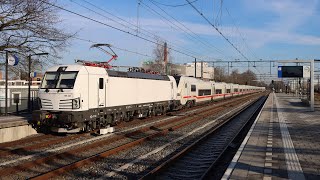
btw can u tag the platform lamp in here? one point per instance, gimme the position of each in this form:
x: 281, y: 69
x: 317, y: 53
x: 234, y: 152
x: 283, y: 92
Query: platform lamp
x: 29, y: 77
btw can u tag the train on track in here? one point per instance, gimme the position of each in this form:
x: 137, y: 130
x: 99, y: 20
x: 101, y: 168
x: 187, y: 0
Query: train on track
x: 76, y: 98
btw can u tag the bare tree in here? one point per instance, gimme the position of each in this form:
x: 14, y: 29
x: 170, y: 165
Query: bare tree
x: 158, y: 51
x: 31, y: 26
x: 220, y: 74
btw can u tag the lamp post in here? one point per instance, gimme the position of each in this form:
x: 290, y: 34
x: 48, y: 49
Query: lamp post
x: 29, y: 77
x: 6, y: 89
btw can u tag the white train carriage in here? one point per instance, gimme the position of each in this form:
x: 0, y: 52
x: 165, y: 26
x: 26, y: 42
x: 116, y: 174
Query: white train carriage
x: 236, y: 90
x: 78, y: 97
x: 192, y: 90
x: 229, y: 90
x: 220, y: 90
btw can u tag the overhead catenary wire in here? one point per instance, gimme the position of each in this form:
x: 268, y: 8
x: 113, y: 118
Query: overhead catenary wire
x: 141, y: 31
x: 115, y: 28
x: 242, y: 37
x: 174, y: 5
x: 193, y: 34
x: 216, y: 28
x: 169, y: 22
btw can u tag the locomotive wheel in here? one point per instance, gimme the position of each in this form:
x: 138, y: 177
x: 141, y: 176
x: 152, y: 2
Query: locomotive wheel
x: 163, y: 110
x: 189, y: 104
x: 153, y: 112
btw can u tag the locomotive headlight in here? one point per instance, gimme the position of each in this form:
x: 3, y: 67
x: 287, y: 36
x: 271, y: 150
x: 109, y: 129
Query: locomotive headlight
x: 76, y: 103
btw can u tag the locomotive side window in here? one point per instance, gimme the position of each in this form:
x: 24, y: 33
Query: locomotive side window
x: 193, y: 88
x: 100, y: 83
x: 218, y: 91
x: 228, y: 90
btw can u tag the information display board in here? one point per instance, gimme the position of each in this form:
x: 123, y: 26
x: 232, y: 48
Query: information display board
x: 293, y: 71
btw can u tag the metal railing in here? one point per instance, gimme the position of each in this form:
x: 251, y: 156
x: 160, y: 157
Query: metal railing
x: 18, y: 106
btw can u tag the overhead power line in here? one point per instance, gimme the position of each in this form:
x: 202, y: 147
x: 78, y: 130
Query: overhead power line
x: 242, y: 37
x: 216, y: 28
x: 122, y: 22
x: 188, y: 30
x: 115, y: 28
x: 173, y: 5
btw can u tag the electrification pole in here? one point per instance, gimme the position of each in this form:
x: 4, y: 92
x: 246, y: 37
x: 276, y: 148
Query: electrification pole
x: 165, y: 54
x: 195, y: 67
x: 6, y: 88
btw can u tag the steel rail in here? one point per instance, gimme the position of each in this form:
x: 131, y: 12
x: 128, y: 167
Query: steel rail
x: 40, y: 145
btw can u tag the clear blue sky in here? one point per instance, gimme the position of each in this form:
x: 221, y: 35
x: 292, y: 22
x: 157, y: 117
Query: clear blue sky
x: 260, y: 29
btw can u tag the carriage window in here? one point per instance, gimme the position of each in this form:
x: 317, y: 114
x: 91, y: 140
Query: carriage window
x: 100, y: 83
x: 193, y: 88
x: 218, y: 91
x: 204, y: 92
x: 228, y: 91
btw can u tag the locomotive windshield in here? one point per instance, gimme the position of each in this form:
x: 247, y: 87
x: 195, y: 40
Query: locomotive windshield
x: 58, y: 80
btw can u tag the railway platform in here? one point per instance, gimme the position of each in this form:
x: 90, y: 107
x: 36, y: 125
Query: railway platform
x: 15, y: 127
x: 283, y: 143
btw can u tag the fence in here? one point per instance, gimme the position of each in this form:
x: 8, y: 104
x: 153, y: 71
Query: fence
x: 19, y: 105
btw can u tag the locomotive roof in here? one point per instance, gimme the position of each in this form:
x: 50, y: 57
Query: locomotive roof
x: 138, y: 75
x: 112, y: 73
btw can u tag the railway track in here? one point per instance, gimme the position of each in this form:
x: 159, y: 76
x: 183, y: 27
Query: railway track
x: 35, y: 144
x: 105, y: 147
x: 42, y: 141
x: 195, y: 159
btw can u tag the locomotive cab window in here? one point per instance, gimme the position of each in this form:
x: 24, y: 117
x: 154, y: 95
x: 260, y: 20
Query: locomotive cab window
x: 193, y: 88
x: 100, y: 83
x: 58, y: 80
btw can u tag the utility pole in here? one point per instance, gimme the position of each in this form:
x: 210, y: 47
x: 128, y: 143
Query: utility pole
x: 165, y: 55
x: 201, y: 69
x: 318, y: 84
x: 195, y: 67
x: 29, y: 83
x: 270, y: 67
x: 228, y: 68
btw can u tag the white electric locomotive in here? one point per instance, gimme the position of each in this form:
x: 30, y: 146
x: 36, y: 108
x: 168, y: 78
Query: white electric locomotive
x: 78, y: 97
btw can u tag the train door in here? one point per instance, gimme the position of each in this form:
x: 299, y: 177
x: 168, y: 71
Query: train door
x: 101, y: 92
x: 172, y: 91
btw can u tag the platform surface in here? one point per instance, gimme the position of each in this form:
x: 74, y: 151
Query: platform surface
x: 12, y: 120
x: 283, y: 143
